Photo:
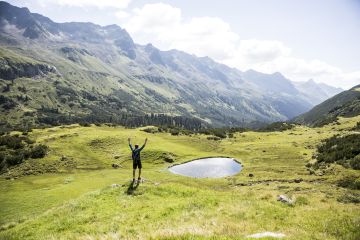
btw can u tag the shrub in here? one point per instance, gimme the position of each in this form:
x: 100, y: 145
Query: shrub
x: 357, y: 127
x: 7, y: 88
x: 186, y: 132
x: 220, y: 134
x: 2, y: 160
x: 351, y: 182
x: 349, y: 197
x: 213, y: 138
x: 170, y: 158
x: 39, y: 151
x: 302, y: 201
x: 325, y: 121
x: 13, y: 142
x: 29, y: 141
x: 86, y: 124
x: 150, y: 130
x: 355, y: 163
x: 342, y: 150
x: 174, y: 132
x: 15, y: 159
x: 277, y: 126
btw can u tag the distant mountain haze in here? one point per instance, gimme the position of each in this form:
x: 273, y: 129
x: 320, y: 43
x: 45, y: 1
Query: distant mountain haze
x: 50, y: 69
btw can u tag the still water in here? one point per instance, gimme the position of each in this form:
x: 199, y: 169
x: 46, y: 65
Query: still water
x: 215, y: 167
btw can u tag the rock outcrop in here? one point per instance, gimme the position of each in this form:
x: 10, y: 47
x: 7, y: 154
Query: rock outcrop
x: 10, y: 70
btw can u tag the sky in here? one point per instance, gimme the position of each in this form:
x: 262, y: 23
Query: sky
x: 302, y: 39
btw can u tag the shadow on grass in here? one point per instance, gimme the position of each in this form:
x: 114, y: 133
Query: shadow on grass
x: 132, y: 188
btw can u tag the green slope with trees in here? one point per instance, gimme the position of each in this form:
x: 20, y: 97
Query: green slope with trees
x: 344, y: 104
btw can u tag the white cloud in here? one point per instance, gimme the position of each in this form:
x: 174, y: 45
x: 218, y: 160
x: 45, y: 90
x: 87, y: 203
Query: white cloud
x: 154, y: 18
x: 204, y: 36
x: 298, y: 69
x: 90, y: 3
x: 353, y: 78
x: 256, y: 54
x: 261, y: 51
x: 121, y: 14
x: 163, y: 25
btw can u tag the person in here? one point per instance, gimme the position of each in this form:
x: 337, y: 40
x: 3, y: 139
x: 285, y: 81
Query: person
x: 136, y: 158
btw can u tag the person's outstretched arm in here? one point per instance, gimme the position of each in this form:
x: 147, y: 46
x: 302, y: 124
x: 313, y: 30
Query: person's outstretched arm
x: 130, y: 144
x: 144, y: 144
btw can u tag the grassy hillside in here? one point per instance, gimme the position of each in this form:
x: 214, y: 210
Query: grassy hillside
x: 69, y: 194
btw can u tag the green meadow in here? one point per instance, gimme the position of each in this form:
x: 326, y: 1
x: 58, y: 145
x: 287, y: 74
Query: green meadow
x: 74, y: 193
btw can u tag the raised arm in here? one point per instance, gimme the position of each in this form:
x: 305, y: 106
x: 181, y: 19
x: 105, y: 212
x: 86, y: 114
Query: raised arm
x: 130, y: 144
x: 144, y: 144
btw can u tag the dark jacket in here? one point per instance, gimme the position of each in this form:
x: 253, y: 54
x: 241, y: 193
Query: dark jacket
x: 136, y: 153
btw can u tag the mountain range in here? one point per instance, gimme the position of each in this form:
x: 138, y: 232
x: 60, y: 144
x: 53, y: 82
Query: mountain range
x: 51, y: 71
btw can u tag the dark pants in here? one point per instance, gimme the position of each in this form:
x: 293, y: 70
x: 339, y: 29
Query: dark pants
x: 137, y: 164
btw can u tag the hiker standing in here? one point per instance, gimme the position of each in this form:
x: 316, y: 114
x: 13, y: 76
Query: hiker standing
x: 136, y: 158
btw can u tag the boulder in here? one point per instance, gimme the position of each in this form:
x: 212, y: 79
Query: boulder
x: 298, y: 180
x: 114, y: 165
x: 267, y: 235
x: 285, y: 199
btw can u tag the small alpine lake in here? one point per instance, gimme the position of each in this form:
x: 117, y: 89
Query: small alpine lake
x: 211, y: 167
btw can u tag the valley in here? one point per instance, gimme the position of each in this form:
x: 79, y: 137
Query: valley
x: 230, y: 153
x: 91, y: 200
